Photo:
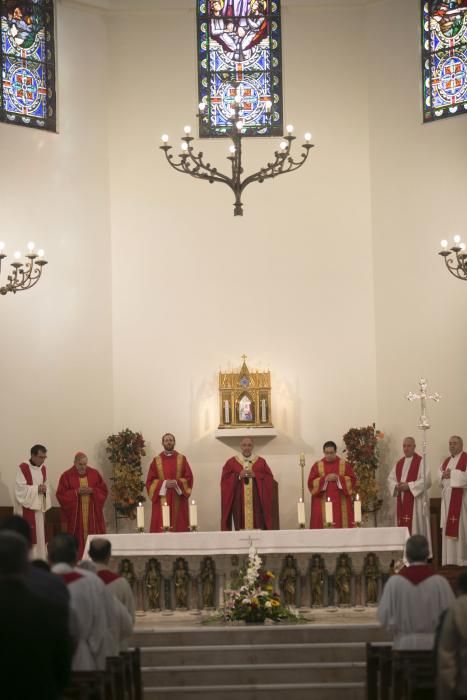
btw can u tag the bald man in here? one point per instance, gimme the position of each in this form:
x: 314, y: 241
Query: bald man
x: 408, y: 485
x: 82, y: 493
x: 453, y: 478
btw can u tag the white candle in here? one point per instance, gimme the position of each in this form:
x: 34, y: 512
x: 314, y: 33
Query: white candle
x: 226, y: 412
x: 357, y: 509
x: 302, y: 458
x: 140, y: 516
x: 263, y: 410
x: 301, y: 511
x: 328, y: 512
x: 193, y: 514
x: 165, y: 516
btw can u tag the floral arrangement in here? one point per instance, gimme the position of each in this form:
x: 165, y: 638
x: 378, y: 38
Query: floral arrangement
x: 361, y: 447
x: 125, y: 450
x: 255, y: 600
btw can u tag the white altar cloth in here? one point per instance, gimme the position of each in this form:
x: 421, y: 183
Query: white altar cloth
x: 327, y: 541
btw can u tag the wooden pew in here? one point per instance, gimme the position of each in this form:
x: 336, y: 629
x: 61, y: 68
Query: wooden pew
x: 413, y: 674
x: 89, y: 685
x: 378, y: 670
x: 133, y: 680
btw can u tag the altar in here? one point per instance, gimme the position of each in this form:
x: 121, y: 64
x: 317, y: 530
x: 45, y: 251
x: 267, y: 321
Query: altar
x: 320, y: 558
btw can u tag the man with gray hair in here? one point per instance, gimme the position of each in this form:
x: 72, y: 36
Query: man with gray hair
x: 453, y: 479
x: 413, y: 599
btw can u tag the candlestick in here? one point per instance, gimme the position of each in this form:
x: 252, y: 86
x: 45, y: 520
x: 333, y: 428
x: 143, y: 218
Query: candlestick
x: 140, y: 517
x: 193, y: 513
x: 357, y: 511
x: 226, y: 412
x: 301, y: 513
x: 165, y: 517
x: 328, y: 513
x: 263, y: 410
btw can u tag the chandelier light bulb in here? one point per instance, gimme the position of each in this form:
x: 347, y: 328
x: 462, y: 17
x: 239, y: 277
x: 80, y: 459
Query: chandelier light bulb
x: 307, y: 136
x: 187, y: 130
x: 201, y: 106
x: 184, y: 146
x: 2, y: 246
x: 444, y: 243
x: 239, y: 125
x: 232, y: 148
x: 462, y: 246
x: 17, y: 254
x: 164, y: 138
x: 31, y: 246
x: 41, y: 252
x: 284, y: 145
x: 289, y: 128
x: 457, y: 239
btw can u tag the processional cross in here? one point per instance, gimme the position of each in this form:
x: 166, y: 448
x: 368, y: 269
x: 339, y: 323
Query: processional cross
x: 423, y: 425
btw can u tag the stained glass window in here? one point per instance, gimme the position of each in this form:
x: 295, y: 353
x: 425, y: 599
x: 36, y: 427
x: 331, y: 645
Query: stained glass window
x: 444, y: 58
x: 27, y: 83
x: 239, y: 52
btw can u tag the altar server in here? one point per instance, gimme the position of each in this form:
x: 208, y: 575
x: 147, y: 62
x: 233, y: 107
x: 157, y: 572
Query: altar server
x: 33, y: 497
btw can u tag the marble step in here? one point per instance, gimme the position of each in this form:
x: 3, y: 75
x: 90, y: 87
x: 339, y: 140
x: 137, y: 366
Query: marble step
x: 254, y: 674
x: 297, y: 691
x: 203, y: 655
x: 261, y: 634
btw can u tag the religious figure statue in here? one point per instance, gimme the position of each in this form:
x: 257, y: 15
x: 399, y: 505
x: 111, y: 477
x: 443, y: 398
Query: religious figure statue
x: 371, y: 573
x: 181, y: 580
x: 343, y: 576
x: 317, y: 581
x: 126, y: 570
x: 288, y: 580
x: 152, y: 583
x: 208, y: 582
x: 236, y: 576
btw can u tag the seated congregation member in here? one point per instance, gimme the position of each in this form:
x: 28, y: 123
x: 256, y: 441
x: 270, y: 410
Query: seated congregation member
x: 246, y: 491
x: 82, y: 493
x: 100, y: 551
x: 413, y: 599
x: 33, y: 497
x: 169, y: 481
x: 452, y: 647
x: 86, y: 601
x: 332, y: 478
x: 35, y: 645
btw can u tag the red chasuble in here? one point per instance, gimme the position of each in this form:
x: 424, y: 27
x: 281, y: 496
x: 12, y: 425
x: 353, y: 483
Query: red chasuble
x: 233, y: 495
x: 176, y: 467
x: 342, y: 507
x: 28, y: 514
x: 82, y: 515
x: 455, y: 504
x: 405, y: 504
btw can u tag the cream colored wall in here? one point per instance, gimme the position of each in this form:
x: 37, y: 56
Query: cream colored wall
x: 55, y: 349
x: 289, y: 284
x: 418, y: 182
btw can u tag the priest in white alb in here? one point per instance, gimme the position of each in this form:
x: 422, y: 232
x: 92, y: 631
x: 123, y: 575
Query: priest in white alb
x: 409, y: 485
x: 453, y: 477
x: 33, y: 498
x: 413, y: 599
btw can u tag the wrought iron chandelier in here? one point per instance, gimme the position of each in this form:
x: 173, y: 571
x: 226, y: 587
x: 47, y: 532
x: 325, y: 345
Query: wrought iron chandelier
x: 192, y: 163
x: 24, y: 274
x: 455, y: 258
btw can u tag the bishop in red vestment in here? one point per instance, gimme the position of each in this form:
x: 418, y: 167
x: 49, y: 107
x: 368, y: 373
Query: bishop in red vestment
x: 331, y: 478
x: 82, y: 493
x: 169, y: 481
x: 246, y: 491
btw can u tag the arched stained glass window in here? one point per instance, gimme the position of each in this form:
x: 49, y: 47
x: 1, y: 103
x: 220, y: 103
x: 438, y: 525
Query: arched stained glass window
x: 239, y: 51
x: 27, y: 82
x: 444, y: 58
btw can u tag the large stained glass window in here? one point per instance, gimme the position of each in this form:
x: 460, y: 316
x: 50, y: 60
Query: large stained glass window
x: 444, y: 58
x: 27, y: 82
x: 239, y: 50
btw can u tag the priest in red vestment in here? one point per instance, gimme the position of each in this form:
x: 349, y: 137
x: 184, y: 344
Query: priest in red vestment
x: 169, y: 481
x: 82, y: 493
x: 332, y: 478
x: 246, y: 491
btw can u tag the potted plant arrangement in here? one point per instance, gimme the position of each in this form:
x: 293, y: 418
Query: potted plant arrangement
x: 362, y: 452
x: 125, y: 451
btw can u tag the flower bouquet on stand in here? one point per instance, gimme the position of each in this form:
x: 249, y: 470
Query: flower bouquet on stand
x: 125, y: 451
x: 255, y: 600
x: 361, y: 446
